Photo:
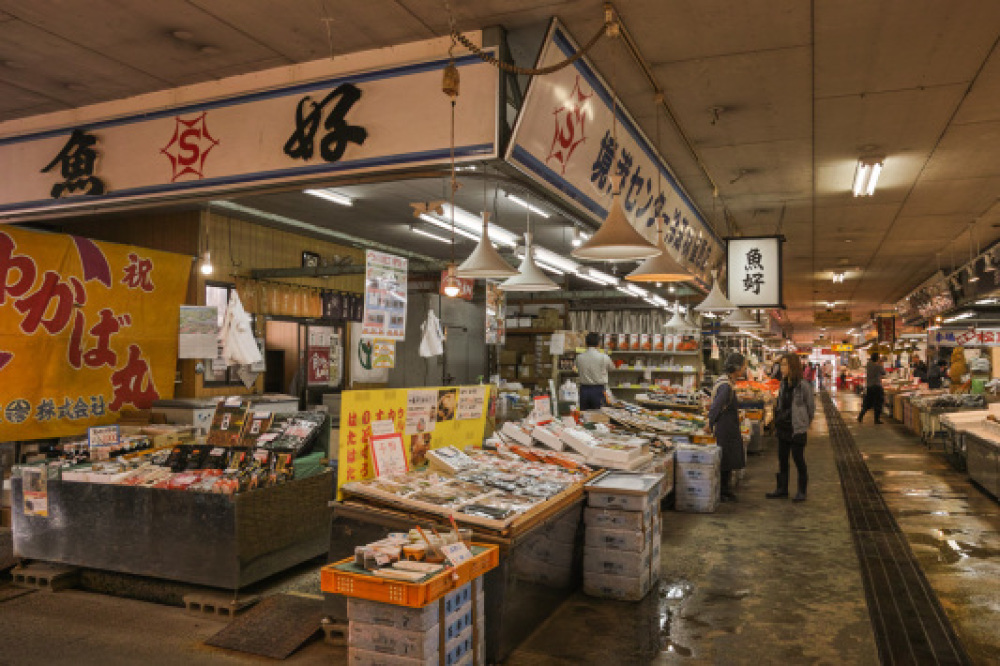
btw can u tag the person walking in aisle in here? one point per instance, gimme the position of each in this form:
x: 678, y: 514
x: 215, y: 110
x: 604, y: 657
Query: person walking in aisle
x: 593, y: 366
x: 936, y: 374
x: 792, y: 418
x: 724, y: 422
x: 874, y: 394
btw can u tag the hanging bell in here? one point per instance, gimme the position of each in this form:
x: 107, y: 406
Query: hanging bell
x: 450, y: 80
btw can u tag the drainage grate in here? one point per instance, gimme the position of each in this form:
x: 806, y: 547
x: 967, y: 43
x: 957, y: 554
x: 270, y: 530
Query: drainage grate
x: 909, y: 624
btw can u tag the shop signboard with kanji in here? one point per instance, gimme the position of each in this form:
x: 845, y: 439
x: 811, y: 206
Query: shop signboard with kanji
x: 370, y: 111
x: 87, y: 330
x: 425, y: 418
x: 753, y: 271
x: 385, y: 296
x: 574, y: 139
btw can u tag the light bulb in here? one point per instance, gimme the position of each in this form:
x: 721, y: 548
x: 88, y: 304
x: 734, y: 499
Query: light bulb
x: 206, y: 264
x: 451, y: 286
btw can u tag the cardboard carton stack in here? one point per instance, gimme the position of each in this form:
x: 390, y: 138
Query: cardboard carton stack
x: 621, y: 556
x: 697, y: 485
x: 449, y: 631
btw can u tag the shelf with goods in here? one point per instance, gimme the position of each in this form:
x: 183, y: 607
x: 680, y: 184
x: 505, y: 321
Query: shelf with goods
x: 526, y: 357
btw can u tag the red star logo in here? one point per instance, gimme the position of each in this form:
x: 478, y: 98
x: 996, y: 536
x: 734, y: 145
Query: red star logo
x: 189, y: 147
x: 570, y: 118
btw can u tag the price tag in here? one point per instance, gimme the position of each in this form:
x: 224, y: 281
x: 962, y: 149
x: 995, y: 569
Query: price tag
x: 457, y: 553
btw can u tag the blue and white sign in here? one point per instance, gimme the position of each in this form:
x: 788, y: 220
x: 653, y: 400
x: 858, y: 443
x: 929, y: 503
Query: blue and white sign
x: 565, y: 139
x: 365, y: 112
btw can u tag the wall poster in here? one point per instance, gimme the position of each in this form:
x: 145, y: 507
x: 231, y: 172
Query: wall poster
x: 385, y: 296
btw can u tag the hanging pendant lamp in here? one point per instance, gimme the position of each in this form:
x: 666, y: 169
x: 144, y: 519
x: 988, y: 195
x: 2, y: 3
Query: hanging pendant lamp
x: 690, y: 322
x: 662, y: 267
x: 616, y: 240
x: 677, y: 322
x: 716, y: 300
x: 741, y: 319
x: 450, y: 285
x: 485, y: 261
x: 529, y: 277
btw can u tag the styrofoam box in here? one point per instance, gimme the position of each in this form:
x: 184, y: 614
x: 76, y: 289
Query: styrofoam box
x: 696, y: 504
x: 616, y: 562
x: 458, y: 651
x: 389, y: 615
x: 626, y: 588
x: 623, y: 502
x: 692, y: 472
x: 614, y: 519
x: 547, y: 437
x: 699, y: 455
x: 617, y: 539
x: 516, y: 432
x: 377, y: 638
x: 461, y: 596
x: 697, y: 489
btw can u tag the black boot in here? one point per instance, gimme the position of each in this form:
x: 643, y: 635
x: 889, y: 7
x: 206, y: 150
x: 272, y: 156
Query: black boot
x: 781, y: 490
x: 727, y: 495
x: 803, y: 482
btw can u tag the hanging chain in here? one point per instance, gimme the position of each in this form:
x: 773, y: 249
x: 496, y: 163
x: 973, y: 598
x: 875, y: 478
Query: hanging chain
x: 609, y: 28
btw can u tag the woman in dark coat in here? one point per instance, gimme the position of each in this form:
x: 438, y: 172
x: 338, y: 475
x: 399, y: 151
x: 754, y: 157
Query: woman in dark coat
x: 724, y: 420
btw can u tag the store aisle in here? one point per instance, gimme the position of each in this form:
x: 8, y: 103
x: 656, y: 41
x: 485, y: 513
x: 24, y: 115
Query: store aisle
x: 760, y: 582
x: 952, y: 528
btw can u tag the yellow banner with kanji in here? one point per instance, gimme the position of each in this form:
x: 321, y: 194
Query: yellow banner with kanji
x: 426, y: 418
x: 87, y: 329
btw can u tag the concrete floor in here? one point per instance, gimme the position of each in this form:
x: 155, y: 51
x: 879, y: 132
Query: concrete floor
x: 953, y: 528
x: 759, y: 582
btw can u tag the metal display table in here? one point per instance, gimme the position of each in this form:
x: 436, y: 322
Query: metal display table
x: 539, y: 568
x: 983, y: 459
x: 215, y: 540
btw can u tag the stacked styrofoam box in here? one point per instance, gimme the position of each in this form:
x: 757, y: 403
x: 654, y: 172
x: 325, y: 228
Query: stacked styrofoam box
x: 621, y: 556
x: 697, y: 478
x: 546, y: 557
x: 383, y: 634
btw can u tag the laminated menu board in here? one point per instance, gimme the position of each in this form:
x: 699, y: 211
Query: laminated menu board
x: 385, y: 296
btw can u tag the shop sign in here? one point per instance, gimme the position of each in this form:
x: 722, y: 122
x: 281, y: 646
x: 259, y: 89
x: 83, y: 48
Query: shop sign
x: 885, y: 328
x: 86, y: 330
x: 971, y: 337
x: 468, y: 286
x: 583, y: 156
x: 831, y: 317
x: 385, y: 296
x: 371, y: 111
x: 843, y: 348
x: 496, y: 314
x: 753, y: 271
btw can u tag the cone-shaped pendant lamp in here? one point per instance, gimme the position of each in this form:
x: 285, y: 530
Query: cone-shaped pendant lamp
x: 716, y: 300
x: 485, y: 261
x: 741, y: 319
x: 616, y: 240
x: 690, y: 322
x: 677, y: 324
x: 529, y: 277
x: 661, y: 268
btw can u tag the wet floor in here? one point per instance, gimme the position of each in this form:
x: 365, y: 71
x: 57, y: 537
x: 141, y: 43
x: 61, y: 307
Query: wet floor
x: 953, y: 527
x: 760, y: 582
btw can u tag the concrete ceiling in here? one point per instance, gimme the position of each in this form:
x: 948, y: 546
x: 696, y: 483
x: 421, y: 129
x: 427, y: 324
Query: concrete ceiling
x: 803, y: 88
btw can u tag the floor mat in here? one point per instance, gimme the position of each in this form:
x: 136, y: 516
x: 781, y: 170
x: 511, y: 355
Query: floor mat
x: 276, y: 627
x: 8, y: 592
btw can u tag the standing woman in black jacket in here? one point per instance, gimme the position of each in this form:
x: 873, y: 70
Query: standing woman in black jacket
x: 724, y: 420
x: 792, y: 418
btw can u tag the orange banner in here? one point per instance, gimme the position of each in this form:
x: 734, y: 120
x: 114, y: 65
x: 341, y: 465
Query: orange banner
x: 87, y: 330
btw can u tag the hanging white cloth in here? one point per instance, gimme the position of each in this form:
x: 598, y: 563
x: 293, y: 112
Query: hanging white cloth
x: 238, y: 344
x: 432, y: 338
x: 715, y: 350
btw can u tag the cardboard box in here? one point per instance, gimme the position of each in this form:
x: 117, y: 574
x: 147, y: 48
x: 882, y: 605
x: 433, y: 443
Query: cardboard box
x: 389, y: 615
x: 5, y: 519
x: 389, y: 640
x: 625, y: 491
x: 528, y: 359
x: 508, y: 357
x: 692, y: 472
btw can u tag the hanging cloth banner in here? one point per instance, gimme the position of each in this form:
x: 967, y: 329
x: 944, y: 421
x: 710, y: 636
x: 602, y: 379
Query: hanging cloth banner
x: 87, y: 330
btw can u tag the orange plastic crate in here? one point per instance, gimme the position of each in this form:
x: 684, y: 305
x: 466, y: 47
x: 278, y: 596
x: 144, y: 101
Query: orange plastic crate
x: 402, y: 593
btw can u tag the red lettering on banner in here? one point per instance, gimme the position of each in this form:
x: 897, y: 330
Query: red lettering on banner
x: 138, y: 272
x: 36, y: 306
x: 133, y: 384
x: 24, y: 265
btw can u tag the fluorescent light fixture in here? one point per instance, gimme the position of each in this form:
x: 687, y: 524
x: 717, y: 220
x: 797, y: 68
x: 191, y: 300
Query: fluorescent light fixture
x: 624, y: 290
x: 330, y: 195
x: 472, y: 224
x: 866, y: 176
x: 838, y: 278
x: 604, y: 278
x: 579, y: 237
x: 637, y: 291
x: 524, y: 204
x: 960, y: 316
x: 548, y: 267
x: 552, y: 259
x: 987, y: 301
x: 589, y: 278
x: 422, y: 232
x: 206, y: 267
x: 831, y: 304
x: 447, y: 226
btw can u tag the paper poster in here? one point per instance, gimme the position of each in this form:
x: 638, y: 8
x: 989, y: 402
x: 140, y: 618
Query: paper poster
x: 543, y: 408
x: 420, y: 411
x: 557, y: 344
x: 496, y: 314
x: 470, y: 402
x: 383, y: 353
x: 336, y: 360
x: 318, y: 365
x: 320, y: 336
x: 420, y: 444
x: 34, y: 481
x: 198, y: 331
x: 447, y: 403
x: 385, y: 296
x: 361, y: 351
x: 389, y: 455
x: 383, y: 427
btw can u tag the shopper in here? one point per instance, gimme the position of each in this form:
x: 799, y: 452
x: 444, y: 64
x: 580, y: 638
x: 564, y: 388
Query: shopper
x: 792, y: 418
x: 593, y: 366
x: 874, y: 394
x: 936, y: 374
x: 827, y: 375
x: 919, y: 368
x: 724, y: 421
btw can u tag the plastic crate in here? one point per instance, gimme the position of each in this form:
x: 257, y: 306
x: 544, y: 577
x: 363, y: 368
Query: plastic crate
x: 336, y: 580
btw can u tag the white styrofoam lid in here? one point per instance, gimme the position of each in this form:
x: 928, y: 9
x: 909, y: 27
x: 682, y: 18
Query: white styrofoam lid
x: 625, y: 482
